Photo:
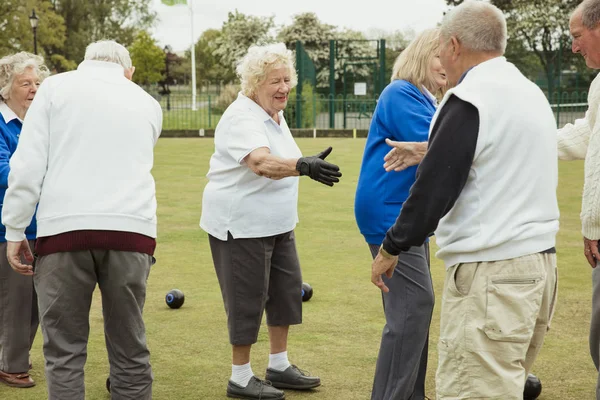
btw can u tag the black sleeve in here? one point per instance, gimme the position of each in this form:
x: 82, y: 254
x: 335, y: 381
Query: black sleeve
x: 441, y: 176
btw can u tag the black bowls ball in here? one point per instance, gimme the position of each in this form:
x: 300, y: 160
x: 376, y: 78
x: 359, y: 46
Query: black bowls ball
x: 175, y: 298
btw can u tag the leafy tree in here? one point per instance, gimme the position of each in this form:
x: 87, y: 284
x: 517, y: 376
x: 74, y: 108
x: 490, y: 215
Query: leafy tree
x: 88, y: 21
x: 209, y: 66
x: 238, y: 33
x: 315, y: 37
x: 148, y: 58
x: 16, y: 33
x: 542, y: 28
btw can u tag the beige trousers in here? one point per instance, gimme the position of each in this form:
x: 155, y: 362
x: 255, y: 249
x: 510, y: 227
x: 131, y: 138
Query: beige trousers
x: 493, y: 322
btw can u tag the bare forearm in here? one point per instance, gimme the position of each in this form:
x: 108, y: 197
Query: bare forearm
x: 273, y: 167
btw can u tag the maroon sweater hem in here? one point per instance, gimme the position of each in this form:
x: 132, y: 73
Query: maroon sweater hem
x: 95, y: 240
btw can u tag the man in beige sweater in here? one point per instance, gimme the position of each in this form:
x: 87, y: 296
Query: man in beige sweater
x: 581, y: 140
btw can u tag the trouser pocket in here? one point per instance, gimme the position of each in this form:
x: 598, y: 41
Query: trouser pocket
x: 513, y: 303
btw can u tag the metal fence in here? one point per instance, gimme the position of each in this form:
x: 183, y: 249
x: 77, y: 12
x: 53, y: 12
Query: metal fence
x: 321, y: 112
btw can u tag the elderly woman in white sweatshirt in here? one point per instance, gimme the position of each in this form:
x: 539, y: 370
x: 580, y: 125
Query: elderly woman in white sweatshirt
x: 249, y: 210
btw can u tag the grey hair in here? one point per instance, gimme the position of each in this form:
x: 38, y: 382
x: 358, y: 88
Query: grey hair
x: 16, y: 64
x: 259, y: 61
x: 110, y: 51
x: 477, y: 25
x: 590, y: 13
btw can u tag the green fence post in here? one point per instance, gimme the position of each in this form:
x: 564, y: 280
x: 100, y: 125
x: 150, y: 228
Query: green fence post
x: 344, y: 93
x: 314, y: 110
x: 331, y: 84
x: 209, y: 115
x: 381, y: 66
x: 299, y: 67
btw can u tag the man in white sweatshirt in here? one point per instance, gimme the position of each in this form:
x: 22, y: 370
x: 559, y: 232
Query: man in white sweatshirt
x: 581, y: 140
x: 85, y: 155
x: 487, y: 187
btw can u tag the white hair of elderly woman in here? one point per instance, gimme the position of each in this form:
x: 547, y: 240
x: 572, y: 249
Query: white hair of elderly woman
x: 479, y: 26
x: 259, y: 61
x: 110, y: 51
x: 16, y: 64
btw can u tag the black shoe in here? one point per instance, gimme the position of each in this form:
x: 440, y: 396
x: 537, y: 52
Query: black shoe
x: 256, y: 389
x: 292, y: 378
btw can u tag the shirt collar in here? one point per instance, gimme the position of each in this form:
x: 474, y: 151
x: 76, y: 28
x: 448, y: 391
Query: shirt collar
x: 464, y: 75
x: 258, y: 110
x: 8, y: 114
x: 430, y: 95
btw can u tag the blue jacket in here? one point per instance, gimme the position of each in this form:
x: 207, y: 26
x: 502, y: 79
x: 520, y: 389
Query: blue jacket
x: 9, y: 137
x: 403, y: 113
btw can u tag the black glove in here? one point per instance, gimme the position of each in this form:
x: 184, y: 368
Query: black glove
x: 318, y: 169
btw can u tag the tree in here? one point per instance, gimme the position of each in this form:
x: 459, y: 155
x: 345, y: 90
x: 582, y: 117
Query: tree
x: 542, y: 28
x: 148, y: 58
x: 88, y: 21
x: 315, y: 36
x: 238, y: 33
x: 16, y: 33
x: 210, y: 68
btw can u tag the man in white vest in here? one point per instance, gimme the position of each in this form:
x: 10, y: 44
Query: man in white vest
x: 580, y: 141
x: 487, y: 187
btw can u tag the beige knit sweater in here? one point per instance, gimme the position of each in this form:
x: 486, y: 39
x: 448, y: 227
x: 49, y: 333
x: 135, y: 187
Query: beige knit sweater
x: 579, y: 141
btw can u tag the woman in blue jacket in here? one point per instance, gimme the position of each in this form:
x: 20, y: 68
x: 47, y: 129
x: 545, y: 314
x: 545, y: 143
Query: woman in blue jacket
x: 403, y: 113
x: 20, y: 76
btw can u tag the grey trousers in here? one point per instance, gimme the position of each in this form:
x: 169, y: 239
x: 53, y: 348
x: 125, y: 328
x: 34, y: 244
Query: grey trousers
x: 408, y: 306
x: 595, y: 324
x: 65, y: 283
x: 256, y: 275
x: 18, y: 316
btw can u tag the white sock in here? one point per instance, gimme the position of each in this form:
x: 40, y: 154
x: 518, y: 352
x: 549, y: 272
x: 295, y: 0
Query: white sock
x: 279, y: 361
x: 241, y: 374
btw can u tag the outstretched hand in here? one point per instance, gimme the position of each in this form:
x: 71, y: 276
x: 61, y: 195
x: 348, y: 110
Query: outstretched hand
x: 318, y: 169
x: 403, y: 155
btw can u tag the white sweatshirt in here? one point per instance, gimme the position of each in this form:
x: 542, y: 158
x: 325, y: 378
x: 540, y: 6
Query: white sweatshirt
x: 579, y: 141
x: 86, y: 155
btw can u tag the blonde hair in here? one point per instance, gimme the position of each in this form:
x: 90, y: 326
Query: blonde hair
x: 413, y: 64
x: 16, y: 64
x: 259, y: 61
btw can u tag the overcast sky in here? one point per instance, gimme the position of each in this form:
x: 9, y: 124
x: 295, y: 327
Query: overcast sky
x: 173, y: 26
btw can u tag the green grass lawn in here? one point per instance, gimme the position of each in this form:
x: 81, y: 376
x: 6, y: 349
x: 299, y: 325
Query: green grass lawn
x: 340, y: 336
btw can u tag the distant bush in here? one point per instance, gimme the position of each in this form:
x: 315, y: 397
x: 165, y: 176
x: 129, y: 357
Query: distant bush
x: 228, y: 94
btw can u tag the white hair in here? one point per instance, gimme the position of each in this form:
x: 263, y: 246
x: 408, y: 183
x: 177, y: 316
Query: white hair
x: 590, y: 13
x: 477, y: 25
x: 259, y: 61
x: 16, y: 64
x: 110, y: 51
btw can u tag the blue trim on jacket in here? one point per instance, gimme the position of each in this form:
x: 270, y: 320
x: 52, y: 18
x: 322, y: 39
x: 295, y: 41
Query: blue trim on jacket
x: 403, y: 113
x: 9, y: 138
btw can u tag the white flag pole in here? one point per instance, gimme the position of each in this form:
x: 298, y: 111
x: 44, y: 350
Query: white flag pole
x: 193, y: 51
